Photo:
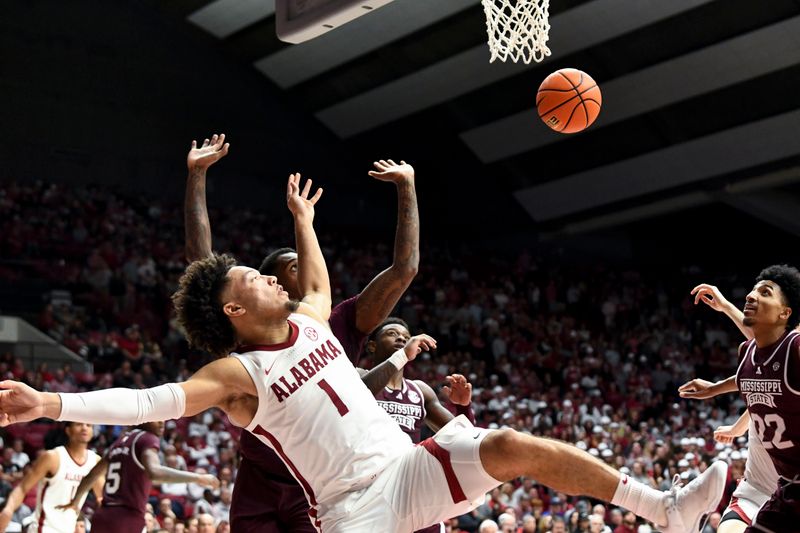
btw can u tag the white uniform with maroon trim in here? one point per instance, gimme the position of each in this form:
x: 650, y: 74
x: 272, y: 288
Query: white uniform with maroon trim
x: 58, y: 490
x: 759, y: 482
x: 360, y: 472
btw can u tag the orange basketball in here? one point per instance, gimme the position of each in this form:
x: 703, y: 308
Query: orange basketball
x: 568, y: 100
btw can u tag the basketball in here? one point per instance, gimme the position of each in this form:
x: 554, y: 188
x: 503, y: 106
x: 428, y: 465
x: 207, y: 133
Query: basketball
x: 568, y: 100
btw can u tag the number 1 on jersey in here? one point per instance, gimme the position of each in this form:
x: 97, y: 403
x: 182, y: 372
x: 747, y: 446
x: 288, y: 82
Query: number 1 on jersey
x: 340, y: 406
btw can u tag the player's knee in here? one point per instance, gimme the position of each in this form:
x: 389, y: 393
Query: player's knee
x: 507, y: 441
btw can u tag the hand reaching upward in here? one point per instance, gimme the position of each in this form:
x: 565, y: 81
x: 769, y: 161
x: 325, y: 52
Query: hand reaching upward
x: 388, y: 170
x: 458, y: 389
x: 209, y: 153
x: 299, y: 203
x: 711, y: 296
x: 418, y: 344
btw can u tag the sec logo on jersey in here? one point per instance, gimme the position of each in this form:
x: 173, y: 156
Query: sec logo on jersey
x: 311, y: 333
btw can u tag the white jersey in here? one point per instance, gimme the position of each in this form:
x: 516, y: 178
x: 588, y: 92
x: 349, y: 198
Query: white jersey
x: 316, y: 413
x: 759, y: 470
x: 58, y: 490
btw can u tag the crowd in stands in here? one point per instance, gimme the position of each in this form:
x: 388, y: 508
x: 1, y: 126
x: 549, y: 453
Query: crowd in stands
x: 588, y: 354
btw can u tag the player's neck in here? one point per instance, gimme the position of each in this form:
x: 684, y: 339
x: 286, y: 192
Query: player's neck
x: 396, y: 381
x: 768, y: 336
x: 77, y: 450
x: 277, y: 332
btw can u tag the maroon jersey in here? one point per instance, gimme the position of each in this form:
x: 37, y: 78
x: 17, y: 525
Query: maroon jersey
x: 769, y: 381
x: 261, y: 465
x: 127, y: 483
x: 406, y: 406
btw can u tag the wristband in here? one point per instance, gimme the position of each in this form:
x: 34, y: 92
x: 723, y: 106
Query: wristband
x: 399, y: 358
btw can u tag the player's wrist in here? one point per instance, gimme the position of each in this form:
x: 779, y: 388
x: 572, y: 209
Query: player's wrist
x: 50, y: 404
x: 399, y: 358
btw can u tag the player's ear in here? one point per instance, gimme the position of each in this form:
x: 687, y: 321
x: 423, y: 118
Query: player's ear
x: 232, y: 309
x: 370, y: 347
x: 786, y: 313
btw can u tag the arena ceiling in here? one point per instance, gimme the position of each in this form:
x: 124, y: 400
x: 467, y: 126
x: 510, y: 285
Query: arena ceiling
x: 700, y: 101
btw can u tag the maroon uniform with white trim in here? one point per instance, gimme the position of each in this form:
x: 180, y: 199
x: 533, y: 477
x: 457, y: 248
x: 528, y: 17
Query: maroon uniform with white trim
x: 127, y: 484
x: 769, y: 381
x: 266, y: 498
x: 406, y: 406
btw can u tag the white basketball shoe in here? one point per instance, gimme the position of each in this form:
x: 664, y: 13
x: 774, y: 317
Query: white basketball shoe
x: 686, y: 505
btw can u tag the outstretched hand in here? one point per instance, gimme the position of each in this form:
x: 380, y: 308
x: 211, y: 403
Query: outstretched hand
x: 209, y: 153
x: 458, y: 389
x: 698, y: 389
x: 19, y: 403
x: 726, y: 434
x: 388, y: 170
x: 208, y: 480
x: 298, y: 201
x: 418, y: 344
x: 711, y: 296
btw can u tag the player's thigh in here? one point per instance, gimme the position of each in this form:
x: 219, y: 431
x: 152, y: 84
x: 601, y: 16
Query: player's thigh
x: 732, y: 525
x: 441, y: 478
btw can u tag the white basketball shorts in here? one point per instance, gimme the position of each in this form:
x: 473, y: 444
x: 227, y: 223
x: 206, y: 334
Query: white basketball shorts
x: 440, y: 478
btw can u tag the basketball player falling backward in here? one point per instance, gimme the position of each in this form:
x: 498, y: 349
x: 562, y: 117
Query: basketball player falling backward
x: 412, y: 403
x: 296, y: 389
x: 768, y: 378
x: 130, y: 466
x: 760, y: 477
x: 266, y: 497
x: 58, y: 472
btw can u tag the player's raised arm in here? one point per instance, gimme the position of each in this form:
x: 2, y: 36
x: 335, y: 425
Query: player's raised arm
x: 95, y: 475
x: 46, y: 465
x: 379, y: 376
x: 312, y: 273
x: 195, y: 212
x: 381, y: 295
x: 712, y: 297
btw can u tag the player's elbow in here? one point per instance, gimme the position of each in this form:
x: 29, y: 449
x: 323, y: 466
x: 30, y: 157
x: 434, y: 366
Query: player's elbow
x: 406, y: 271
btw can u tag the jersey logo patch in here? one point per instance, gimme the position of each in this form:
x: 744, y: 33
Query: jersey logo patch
x: 776, y: 366
x: 413, y: 396
x: 311, y: 333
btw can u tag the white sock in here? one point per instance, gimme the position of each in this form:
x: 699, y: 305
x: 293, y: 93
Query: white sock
x: 641, y: 499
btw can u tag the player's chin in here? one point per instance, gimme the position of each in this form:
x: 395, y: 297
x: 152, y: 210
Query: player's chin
x: 292, y: 305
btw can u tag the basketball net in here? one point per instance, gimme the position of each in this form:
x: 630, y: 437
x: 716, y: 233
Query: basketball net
x: 518, y: 29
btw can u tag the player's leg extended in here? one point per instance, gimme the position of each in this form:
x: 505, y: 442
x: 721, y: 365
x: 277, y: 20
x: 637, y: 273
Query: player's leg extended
x: 507, y: 454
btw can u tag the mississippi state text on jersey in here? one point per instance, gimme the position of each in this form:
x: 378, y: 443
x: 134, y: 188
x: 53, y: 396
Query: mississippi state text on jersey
x: 767, y: 378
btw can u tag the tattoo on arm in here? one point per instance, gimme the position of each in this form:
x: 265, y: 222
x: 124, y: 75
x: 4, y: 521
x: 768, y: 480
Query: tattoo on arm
x: 382, y: 294
x: 198, y: 227
x: 379, y: 377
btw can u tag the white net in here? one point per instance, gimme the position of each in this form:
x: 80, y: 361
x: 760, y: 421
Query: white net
x: 518, y: 29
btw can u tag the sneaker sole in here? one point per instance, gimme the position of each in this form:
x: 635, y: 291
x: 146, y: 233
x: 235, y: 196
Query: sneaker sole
x: 719, y: 490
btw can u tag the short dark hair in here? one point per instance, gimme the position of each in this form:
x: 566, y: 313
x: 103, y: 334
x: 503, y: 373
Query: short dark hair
x: 390, y: 320
x: 788, y: 279
x: 199, y: 305
x: 269, y: 266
